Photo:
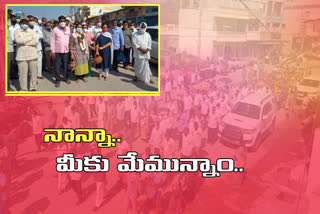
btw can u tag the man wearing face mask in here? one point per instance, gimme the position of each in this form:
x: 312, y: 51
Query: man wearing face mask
x: 141, y: 42
x: 27, y: 41
x: 35, y: 27
x: 118, y: 43
x: 46, y: 45
x: 127, y: 34
x: 60, y: 50
x: 97, y: 29
x: 83, y: 22
x: 90, y: 28
x: 11, y: 30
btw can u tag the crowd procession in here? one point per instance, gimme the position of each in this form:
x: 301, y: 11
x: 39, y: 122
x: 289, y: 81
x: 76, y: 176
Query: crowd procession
x: 183, y: 122
x: 62, y: 46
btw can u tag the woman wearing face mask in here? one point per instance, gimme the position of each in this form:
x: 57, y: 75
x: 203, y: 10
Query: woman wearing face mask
x: 104, y: 48
x: 80, y: 53
x: 90, y: 41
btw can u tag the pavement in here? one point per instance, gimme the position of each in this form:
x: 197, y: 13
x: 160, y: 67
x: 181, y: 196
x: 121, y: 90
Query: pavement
x: 118, y: 81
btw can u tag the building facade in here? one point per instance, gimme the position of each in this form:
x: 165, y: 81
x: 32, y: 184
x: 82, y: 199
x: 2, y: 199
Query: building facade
x: 230, y: 28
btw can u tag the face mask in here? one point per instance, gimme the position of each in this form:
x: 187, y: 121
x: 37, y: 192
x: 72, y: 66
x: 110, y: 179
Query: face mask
x: 32, y: 23
x: 24, y: 26
x: 62, y: 24
x: 48, y: 28
x: 113, y: 27
x: 79, y: 30
x: 132, y: 27
x: 142, y: 30
x: 85, y: 30
x: 99, y: 24
x: 83, y: 23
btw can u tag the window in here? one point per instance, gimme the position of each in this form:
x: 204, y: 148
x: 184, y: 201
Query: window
x: 267, y: 109
x: 277, y: 9
x: 247, y: 110
x: 269, y: 8
x: 153, y: 33
x: 231, y: 25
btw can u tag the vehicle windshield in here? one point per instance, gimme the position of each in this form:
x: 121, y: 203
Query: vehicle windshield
x: 247, y: 110
x: 310, y: 83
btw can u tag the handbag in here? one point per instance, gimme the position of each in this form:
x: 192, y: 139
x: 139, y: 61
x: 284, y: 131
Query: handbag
x: 121, y: 57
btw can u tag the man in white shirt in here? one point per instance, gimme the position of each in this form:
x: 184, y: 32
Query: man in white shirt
x: 141, y: 42
x: 35, y: 27
x: 187, y: 144
x: 213, y: 125
x: 156, y: 136
x: 96, y: 29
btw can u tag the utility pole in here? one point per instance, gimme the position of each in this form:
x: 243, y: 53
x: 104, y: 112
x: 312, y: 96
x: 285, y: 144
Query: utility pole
x: 199, y: 33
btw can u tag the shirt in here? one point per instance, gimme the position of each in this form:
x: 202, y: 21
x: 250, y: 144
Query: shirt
x: 26, y: 44
x: 10, y: 43
x: 60, y: 40
x: 117, y: 38
x: 187, y: 145
x: 141, y: 41
x: 47, y: 40
x: 95, y: 31
x: 38, y: 31
x: 127, y: 34
x: 12, y: 29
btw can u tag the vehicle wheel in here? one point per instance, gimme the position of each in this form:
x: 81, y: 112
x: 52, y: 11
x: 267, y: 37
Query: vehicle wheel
x: 256, y: 144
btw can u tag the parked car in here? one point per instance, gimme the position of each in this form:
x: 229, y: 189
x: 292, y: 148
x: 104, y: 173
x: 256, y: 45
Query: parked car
x: 153, y: 31
x: 249, y: 121
x: 309, y: 86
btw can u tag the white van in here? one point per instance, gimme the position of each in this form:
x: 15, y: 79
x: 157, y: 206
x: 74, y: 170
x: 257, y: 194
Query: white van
x: 153, y: 31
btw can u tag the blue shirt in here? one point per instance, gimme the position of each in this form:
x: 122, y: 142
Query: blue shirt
x: 117, y: 38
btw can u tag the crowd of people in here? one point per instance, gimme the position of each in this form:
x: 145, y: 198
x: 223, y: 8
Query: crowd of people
x: 183, y: 122
x: 62, y: 47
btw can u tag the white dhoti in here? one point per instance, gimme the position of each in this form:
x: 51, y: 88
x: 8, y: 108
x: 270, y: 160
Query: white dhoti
x: 142, y: 69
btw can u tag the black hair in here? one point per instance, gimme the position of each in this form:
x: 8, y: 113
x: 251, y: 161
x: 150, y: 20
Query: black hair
x: 55, y: 22
x: 9, y: 11
x: 125, y: 22
x: 29, y: 16
x: 61, y: 17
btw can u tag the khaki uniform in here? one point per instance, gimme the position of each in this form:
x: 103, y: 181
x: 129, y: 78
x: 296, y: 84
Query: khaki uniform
x: 27, y: 56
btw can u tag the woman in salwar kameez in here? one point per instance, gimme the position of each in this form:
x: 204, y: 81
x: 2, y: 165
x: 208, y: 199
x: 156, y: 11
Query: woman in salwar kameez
x: 80, y: 53
x: 104, y: 48
x: 91, y: 45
